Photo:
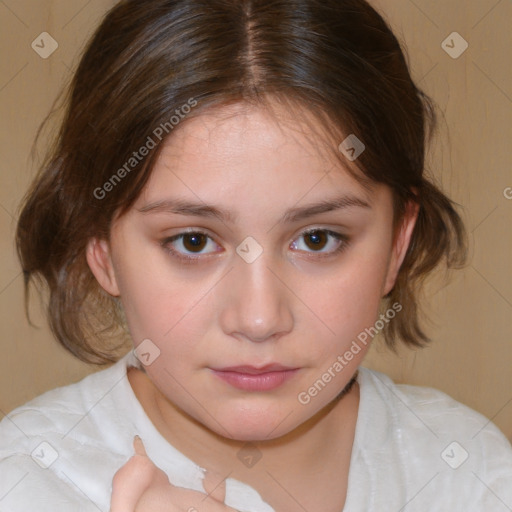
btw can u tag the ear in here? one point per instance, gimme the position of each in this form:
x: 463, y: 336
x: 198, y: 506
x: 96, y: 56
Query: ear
x: 99, y: 258
x: 402, y: 239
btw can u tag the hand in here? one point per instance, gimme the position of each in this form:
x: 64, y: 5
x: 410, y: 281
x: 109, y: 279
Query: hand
x: 139, y: 486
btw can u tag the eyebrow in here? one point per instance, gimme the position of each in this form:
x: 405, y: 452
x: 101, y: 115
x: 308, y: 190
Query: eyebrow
x: 182, y: 207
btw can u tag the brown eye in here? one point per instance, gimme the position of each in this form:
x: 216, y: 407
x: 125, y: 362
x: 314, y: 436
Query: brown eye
x: 194, y: 242
x: 321, y: 241
x: 316, y: 240
x: 191, y: 246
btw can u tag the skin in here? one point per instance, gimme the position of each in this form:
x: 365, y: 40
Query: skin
x: 139, y: 485
x: 299, y: 304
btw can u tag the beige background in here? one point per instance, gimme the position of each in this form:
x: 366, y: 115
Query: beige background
x: 471, y: 356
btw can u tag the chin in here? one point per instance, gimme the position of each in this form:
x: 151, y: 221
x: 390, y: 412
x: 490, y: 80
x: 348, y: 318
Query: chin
x: 254, y: 434
x: 255, y: 425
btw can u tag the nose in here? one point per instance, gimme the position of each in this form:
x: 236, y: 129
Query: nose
x: 256, y: 306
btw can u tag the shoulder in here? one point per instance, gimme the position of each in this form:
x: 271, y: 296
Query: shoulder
x: 57, y: 443
x: 430, y: 409
x: 429, y: 441
x: 60, y: 409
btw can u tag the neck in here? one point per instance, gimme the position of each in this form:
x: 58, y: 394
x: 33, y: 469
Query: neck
x: 303, y: 451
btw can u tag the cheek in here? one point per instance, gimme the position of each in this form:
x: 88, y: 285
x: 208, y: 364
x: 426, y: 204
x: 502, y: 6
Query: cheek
x: 166, y: 316
x: 352, y: 296
x: 157, y: 302
x: 349, y: 300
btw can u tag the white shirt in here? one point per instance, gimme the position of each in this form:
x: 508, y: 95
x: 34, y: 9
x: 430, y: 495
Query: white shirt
x: 415, y: 449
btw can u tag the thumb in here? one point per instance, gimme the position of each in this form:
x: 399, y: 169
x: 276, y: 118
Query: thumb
x: 133, y: 479
x: 213, y: 483
x: 215, y: 486
x: 138, y: 446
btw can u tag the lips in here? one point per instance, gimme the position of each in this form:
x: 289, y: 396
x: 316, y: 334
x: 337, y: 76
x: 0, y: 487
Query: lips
x: 253, y: 370
x: 252, y: 378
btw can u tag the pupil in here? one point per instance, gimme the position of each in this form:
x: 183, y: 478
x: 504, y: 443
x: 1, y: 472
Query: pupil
x: 194, y: 241
x: 316, y: 239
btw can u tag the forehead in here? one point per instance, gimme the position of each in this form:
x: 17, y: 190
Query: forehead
x: 240, y: 129
x: 281, y: 149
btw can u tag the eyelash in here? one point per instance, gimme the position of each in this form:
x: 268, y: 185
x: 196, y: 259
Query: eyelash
x: 195, y: 259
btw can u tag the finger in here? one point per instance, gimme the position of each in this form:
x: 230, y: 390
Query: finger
x: 132, y: 480
x: 127, y: 488
x: 138, y: 446
x: 215, y: 486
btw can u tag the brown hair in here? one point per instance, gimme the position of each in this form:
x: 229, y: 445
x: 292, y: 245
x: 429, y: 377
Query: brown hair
x: 149, y: 59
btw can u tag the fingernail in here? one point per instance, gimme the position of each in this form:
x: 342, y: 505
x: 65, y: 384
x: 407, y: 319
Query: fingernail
x: 138, y: 446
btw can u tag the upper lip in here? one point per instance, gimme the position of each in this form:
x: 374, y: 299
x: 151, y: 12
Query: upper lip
x: 253, y: 370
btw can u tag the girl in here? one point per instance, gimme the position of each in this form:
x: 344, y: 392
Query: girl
x: 239, y: 187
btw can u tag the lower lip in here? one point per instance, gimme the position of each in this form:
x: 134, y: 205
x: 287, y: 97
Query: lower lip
x: 260, y: 382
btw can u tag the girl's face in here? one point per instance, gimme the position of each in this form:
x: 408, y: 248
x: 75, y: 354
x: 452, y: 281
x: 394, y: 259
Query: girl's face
x: 250, y: 247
